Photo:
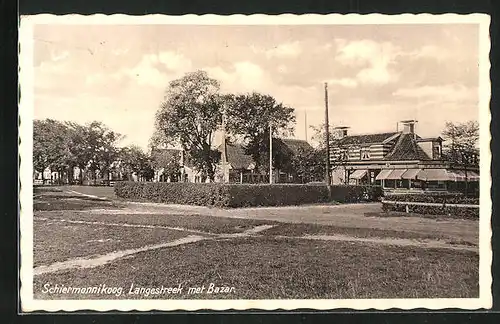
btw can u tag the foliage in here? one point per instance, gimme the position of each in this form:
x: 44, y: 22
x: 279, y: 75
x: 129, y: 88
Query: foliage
x: 461, y: 142
x: 61, y: 146
x: 354, y: 194
x: 319, y: 135
x: 447, y: 198
x: 242, y: 195
x: 169, y: 161
x: 250, y: 117
x: 190, y: 115
x: 309, y: 165
x: 51, y: 143
x: 444, y: 198
x: 134, y: 160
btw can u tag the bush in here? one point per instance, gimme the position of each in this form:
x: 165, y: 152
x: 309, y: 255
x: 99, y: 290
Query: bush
x: 242, y: 195
x: 444, y: 198
x: 450, y: 211
x: 352, y: 194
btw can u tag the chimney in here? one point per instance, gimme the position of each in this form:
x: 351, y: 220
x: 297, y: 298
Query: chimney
x: 409, y: 126
x: 342, y: 130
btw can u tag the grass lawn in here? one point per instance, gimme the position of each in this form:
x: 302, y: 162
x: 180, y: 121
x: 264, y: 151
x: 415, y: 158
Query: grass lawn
x: 269, y: 268
x: 59, y: 241
x: 273, y: 265
x: 208, y: 224
x: 68, y: 201
x: 315, y: 229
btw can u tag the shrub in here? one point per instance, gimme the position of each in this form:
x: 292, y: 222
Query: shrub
x: 242, y: 195
x: 445, y: 198
x: 450, y: 211
x: 352, y: 194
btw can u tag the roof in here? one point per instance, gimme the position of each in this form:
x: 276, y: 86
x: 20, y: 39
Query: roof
x: 295, y: 144
x: 429, y: 139
x: 366, y: 139
x: 406, y: 148
x: 236, y: 156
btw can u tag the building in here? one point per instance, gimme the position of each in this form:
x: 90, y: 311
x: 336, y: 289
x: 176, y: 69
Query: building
x: 399, y: 161
x: 240, y: 167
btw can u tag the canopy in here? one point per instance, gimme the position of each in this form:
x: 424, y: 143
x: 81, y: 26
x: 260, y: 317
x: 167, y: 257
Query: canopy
x: 383, y: 174
x: 434, y: 175
x: 410, y: 174
x: 459, y: 175
x: 396, y: 174
x: 358, y: 174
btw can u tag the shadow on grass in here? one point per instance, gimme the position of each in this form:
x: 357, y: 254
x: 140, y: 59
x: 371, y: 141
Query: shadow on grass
x: 56, y: 199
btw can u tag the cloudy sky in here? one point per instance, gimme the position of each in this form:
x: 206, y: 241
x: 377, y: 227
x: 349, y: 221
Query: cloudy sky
x: 377, y: 74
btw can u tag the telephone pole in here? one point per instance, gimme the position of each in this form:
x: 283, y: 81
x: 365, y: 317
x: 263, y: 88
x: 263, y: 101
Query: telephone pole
x: 305, y: 123
x: 327, y: 135
x: 270, y: 154
x: 224, y: 160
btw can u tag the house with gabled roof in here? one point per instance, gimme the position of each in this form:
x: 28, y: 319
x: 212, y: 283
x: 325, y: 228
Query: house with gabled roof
x: 400, y: 160
x: 240, y: 166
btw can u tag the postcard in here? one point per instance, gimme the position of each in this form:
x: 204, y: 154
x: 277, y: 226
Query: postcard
x: 257, y: 162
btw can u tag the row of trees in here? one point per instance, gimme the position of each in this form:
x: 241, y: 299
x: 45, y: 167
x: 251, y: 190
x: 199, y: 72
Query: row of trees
x: 194, y: 110
x: 92, y: 148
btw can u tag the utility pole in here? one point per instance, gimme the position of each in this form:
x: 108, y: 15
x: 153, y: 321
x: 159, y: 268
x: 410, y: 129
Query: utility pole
x: 270, y: 154
x: 224, y: 161
x: 327, y: 133
x: 305, y: 123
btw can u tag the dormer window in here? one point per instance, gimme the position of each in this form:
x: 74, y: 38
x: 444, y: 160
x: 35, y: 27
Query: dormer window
x: 365, y: 153
x: 436, y: 152
x: 344, y: 155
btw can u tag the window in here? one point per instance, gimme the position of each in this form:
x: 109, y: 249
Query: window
x: 365, y: 153
x: 436, y: 153
x: 344, y: 155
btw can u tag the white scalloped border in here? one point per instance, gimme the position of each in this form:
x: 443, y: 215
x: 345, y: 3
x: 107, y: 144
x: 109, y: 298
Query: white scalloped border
x: 26, y: 105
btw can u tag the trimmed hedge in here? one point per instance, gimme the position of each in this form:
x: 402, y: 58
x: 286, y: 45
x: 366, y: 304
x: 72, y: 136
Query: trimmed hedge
x: 242, y: 195
x: 445, y: 198
x: 450, y: 211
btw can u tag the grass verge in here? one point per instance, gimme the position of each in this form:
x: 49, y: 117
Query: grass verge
x: 59, y: 241
x: 268, y: 268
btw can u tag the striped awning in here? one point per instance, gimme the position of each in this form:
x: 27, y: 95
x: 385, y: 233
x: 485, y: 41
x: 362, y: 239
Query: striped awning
x: 410, y: 174
x: 358, y: 174
x: 434, y: 175
x: 459, y: 175
x: 396, y: 174
x: 383, y: 174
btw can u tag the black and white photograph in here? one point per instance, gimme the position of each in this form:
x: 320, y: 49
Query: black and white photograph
x: 255, y: 162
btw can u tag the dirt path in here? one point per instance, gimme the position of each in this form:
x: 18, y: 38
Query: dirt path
x: 348, y: 215
x: 99, y: 260
x: 344, y: 215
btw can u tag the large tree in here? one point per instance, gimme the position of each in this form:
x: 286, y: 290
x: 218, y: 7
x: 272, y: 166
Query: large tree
x: 134, y: 160
x: 93, y: 147
x: 253, y: 116
x: 309, y: 165
x: 169, y: 161
x: 189, y: 116
x: 460, y: 149
x: 51, y: 142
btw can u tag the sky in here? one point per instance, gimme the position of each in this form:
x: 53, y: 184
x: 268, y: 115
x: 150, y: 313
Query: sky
x: 377, y: 75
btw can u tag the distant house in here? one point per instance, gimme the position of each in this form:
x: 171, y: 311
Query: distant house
x: 398, y: 161
x: 173, y: 165
x: 240, y: 167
